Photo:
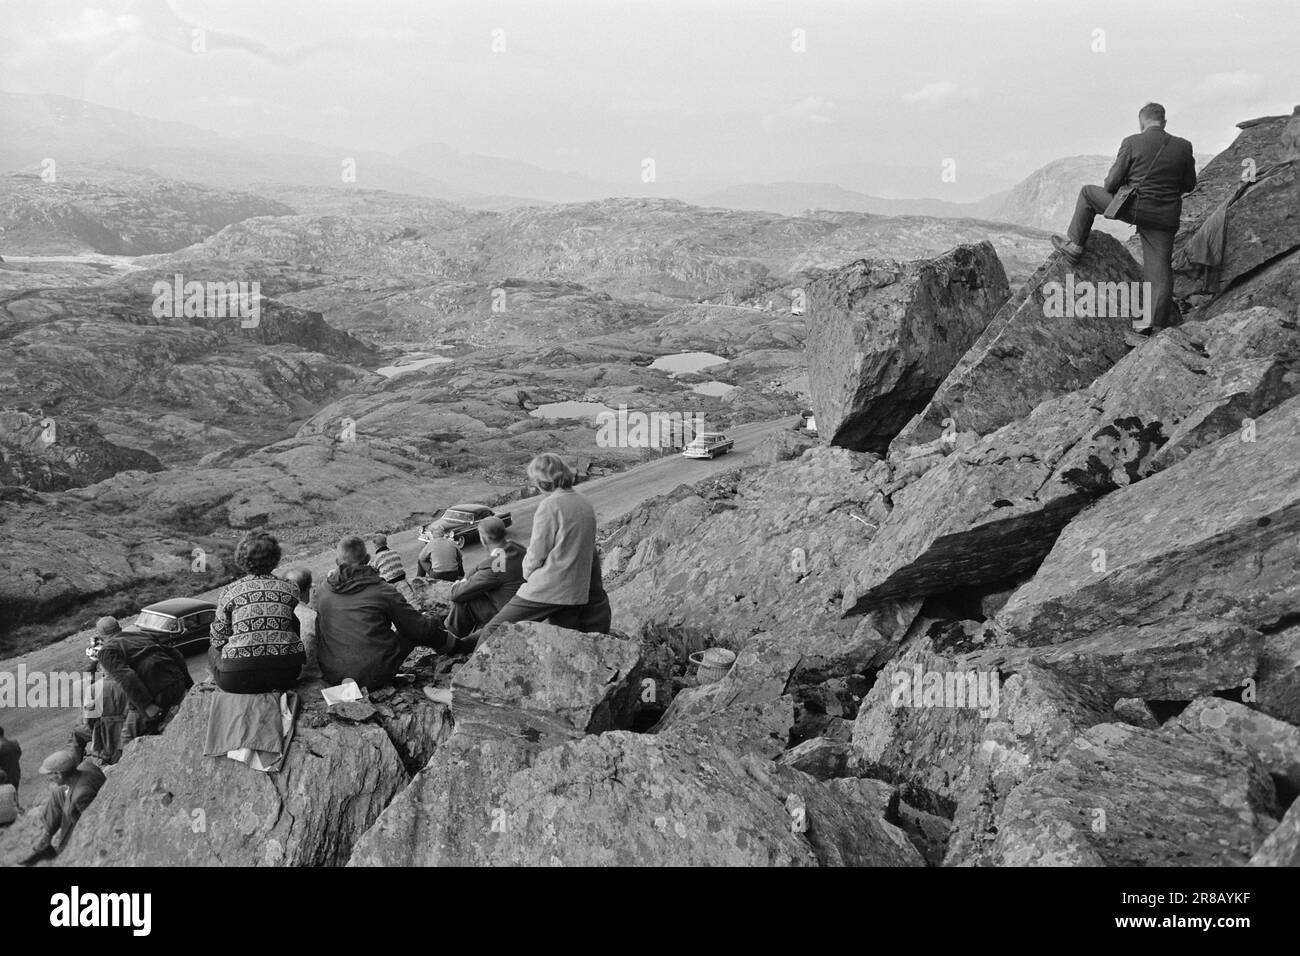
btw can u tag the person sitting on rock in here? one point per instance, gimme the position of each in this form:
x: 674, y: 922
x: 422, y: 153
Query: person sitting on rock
x: 1161, y: 168
x: 561, y: 551
x: 105, y: 628
x: 364, y: 628
x: 8, y: 800
x: 99, y: 735
x: 389, y: 565
x: 256, y: 647
x: 154, y: 677
x: 73, y: 786
x: 306, y: 615
x: 440, y: 559
x: 492, y: 583
x: 11, y: 758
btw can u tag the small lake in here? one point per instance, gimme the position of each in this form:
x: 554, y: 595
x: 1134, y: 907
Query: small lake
x: 388, y: 371
x: 684, y: 362
x: 715, y: 389
x: 585, y: 411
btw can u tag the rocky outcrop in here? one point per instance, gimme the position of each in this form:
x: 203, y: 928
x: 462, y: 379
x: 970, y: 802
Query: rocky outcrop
x: 49, y: 454
x: 166, y: 804
x: 1028, y: 354
x: 631, y: 800
x: 1124, y: 796
x: 544, y: 684
x: 993, y: 510
x: 1211, y: 538
x: 883, y: 335
x: 1275, y: 743
x: 1282, y: 848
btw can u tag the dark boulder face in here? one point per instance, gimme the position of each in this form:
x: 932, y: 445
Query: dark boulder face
x: 882, y: 336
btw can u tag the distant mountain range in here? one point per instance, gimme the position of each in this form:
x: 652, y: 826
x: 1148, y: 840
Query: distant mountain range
x: 84, y: 139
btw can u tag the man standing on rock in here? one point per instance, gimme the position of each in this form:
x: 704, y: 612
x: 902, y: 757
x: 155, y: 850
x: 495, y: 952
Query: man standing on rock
x: 364, y: 628
x: 1158, y: 169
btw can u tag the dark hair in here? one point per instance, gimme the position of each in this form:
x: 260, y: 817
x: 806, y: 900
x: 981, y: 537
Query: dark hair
x: 352, y: 550
x: 1152, y: 111
x: 257, y: 553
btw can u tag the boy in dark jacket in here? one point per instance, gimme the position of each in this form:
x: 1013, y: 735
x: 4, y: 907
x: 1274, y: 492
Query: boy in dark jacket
x: 364, y: 629
x: 492, y: 583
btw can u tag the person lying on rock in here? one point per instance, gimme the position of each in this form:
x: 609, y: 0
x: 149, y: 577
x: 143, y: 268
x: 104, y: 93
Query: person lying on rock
x: 154, y: 677
x: 1160, y: 168
x: 492, y: 583
x: 364, y: 628
x: 440, y: 559
x: 73, y: 786
x: 561, y: 570
x: 256, y: 647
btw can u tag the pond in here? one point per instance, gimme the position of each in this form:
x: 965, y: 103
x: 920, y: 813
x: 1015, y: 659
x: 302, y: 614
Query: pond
x: 579, y: 410
x: 684, y: 362
x: 716, y: 389
x: 410, y: 365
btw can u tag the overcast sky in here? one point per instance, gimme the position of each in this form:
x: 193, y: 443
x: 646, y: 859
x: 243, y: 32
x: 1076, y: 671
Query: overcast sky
x: 711, y: 89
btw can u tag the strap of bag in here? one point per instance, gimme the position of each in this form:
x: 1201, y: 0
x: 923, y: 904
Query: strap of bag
x: 1137, y: 188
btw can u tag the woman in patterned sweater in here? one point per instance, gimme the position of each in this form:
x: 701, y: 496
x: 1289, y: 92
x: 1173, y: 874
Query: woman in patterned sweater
x: 256, y: 645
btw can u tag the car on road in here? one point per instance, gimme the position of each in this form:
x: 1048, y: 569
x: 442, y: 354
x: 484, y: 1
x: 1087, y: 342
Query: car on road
x: 182, y: 623
x: 462, y: 521
x: 708, y: 445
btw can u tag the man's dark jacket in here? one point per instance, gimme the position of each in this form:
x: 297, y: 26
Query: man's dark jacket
x: 149, y: 672
x: 356, y: 613
x: 1160, y: 182
x: 486, y: 587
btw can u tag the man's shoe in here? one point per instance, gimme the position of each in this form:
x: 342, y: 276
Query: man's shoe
x: 1071, y: 250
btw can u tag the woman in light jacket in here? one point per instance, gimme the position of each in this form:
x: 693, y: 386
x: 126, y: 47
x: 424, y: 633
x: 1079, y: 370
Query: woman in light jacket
x: 561, y: 569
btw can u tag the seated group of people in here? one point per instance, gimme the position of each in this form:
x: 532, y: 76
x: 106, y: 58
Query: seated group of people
x: 266, y: 637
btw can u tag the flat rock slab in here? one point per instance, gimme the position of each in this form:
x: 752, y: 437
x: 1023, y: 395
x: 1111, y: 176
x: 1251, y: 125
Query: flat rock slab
x: 624, y: 799
x: 1124, y: 796
x: 1025, y: 356
x: 882, y: 335
x: 1211, y: 538
x: 544, y: 684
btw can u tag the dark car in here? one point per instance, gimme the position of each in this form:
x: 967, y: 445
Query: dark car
x: 462, y: 521
x: 181, y: 623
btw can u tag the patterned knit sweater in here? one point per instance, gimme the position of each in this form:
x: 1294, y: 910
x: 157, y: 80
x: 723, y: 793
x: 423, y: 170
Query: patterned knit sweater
x: 255, y: 624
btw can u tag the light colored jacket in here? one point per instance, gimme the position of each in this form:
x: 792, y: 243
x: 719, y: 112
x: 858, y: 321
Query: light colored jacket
x: 557, y: 567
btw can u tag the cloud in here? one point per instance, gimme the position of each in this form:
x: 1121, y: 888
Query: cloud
x: 941, y: 93
x: 1235, y: 84
x: 809, y: 111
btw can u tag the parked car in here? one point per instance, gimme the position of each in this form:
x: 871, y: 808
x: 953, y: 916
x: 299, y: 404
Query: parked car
x: 708, y: 445
x: 182, y: 623
x: 462, y: 521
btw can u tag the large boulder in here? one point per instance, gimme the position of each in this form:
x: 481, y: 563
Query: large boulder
x: 1027, y: 354
x: 544, y: 684
x: 1278, y: 690
x: 1210, y: 538
x: 626, y: 799
x: 1282, y: 848
x: 1260, y: 225
x: 1275, y: 742
x: 166, y: 804
x: 1125, y: 796
x: 882, y: 335
x: 993, y: 511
